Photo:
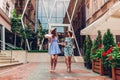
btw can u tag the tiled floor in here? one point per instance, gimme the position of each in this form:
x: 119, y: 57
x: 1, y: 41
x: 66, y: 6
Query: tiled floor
x: 40, y: 71
x: 17, y: 73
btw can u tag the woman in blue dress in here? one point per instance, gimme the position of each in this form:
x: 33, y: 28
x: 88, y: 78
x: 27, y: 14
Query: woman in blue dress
x: 68, y: 49
x: 54, y: 49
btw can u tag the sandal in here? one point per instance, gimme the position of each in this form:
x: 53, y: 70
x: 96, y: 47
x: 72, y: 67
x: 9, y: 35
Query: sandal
x: 68, y: 70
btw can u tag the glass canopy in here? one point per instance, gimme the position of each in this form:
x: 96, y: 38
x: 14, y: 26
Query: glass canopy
x: 52, y: 11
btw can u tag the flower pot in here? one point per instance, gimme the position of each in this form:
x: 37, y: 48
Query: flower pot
x: 97, y: 66
x: 116, y: 73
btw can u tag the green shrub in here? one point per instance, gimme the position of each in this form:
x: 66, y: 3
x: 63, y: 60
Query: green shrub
x: 108, y: 40
x: 88, y: 46
x: 44, y: 51
x: 17, y: 48
x: 97, y: 54
x: 97, y: 49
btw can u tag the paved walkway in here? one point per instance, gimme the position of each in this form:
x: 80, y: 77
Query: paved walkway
x: 40, y: 71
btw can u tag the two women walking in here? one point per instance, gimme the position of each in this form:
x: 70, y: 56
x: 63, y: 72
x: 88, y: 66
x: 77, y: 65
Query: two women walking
x: 54, y: 49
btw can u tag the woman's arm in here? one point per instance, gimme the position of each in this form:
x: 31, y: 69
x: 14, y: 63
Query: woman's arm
x: 63, y: 43
x: 49, y: 40
x: 73, y: 43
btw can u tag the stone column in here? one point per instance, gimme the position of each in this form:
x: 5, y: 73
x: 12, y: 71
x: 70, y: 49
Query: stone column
x: 2, y: 37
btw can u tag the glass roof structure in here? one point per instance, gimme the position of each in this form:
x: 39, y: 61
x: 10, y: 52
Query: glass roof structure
x: 52, y: 11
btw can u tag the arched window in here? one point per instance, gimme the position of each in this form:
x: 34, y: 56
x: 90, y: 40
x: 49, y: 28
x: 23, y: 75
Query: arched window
x: 87, y: 11
x: 95, y: 5
x: 7, y: 9
x: 104, y: 1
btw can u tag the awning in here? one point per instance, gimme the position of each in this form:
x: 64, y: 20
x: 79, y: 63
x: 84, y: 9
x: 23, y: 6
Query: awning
x: 110, y: 20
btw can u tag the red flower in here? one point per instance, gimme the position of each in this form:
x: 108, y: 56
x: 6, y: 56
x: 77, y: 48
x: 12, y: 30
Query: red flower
x: 93, y: 50
x: 109, y: 50
x: 104, y: 54
x: 119, y: 49
x: 100, y: 46
x: 110, y: 57
x: 119, y: 45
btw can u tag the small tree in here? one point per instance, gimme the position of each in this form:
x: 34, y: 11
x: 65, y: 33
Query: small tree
x: 26, y: 33
x: 15, y: 25
x: 97, y: 42
x: 22, y: 35
x: 40, y: 36
x: 108, y: 40
x: 88, y: 52
x: 96, y: 47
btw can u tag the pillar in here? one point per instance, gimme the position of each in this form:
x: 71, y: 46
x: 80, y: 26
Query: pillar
x: 2, y: 37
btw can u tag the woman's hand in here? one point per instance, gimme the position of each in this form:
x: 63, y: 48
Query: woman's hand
x: 62, y: 43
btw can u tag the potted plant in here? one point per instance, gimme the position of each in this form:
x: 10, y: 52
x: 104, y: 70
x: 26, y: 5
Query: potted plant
x: 96, y: 54
x: 87, y: 51
x: 113, y: 61
x: 108, y: 42
x: 96, y: 47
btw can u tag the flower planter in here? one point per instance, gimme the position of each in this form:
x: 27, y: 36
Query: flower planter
x: 98, y: 67
x: 116, y: 73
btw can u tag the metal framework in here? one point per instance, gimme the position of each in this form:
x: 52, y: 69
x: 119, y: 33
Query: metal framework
x: 49, y: 18
x: 58, y: 25
x: 23, y: 22
x: 70, y: 19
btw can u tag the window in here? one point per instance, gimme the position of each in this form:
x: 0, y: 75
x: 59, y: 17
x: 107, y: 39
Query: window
x: 87, y: 12
x: 7, y: 8
x: 104, y: 1
x: 95, y: 5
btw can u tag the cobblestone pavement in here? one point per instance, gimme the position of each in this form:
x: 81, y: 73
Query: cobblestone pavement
x: 18, y: 72
x: 40, y: 71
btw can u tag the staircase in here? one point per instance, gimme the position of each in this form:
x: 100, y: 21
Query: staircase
x: 6, y: 61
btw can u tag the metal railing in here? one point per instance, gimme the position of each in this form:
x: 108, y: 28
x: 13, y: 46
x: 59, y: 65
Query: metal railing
x: 8, y: 46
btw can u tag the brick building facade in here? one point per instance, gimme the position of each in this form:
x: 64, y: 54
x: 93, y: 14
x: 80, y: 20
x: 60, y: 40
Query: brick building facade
x: 6, y: 6
x: 29, y: 16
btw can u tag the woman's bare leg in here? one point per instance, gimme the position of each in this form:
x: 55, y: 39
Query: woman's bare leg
x: 55, y: 60
x: 69, y: 63
x: 52, y: 61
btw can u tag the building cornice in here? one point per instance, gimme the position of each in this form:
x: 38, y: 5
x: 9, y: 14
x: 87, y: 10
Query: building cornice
x: 4, y: 16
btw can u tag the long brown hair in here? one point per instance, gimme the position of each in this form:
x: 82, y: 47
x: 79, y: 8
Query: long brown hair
x: 69, y: 33
x: 54, y: 34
